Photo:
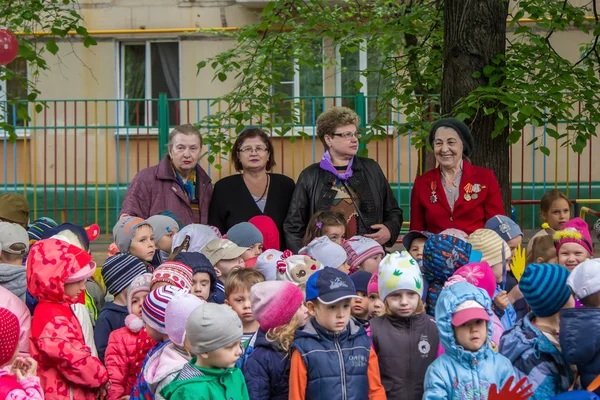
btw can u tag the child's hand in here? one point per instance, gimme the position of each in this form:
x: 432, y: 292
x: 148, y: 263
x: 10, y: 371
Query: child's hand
x: 501, y: 300
x: 515, y: 295
x: 24, y: 368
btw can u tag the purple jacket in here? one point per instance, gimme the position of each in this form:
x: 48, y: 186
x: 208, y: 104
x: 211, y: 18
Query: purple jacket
x: 156, y: 189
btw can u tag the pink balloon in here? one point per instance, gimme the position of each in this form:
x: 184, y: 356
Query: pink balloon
x: 9, y: 46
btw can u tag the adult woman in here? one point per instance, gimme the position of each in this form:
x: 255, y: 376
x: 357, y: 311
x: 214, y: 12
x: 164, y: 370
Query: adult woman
x: 177, y: 184
x: 345, y: 183
x: 255, y: 191
x: 456, y: 194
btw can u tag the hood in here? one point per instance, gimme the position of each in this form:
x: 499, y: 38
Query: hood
x: 525, y: 336
x: 198, y: 263
x: 13, y: 278
x: 163, y: 363
x: 261, y: 341
x: 208, y: 375
x: 49, y: 264
x: 575, y: 327
x: 114, y: 308
x: 449, y: 299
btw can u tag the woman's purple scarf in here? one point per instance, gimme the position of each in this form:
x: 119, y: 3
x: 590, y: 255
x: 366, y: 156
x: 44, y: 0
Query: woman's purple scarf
x: 328, y: 166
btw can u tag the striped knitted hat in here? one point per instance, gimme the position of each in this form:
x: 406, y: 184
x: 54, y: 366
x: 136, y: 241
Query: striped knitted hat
x: 120, y: 270
x: 173, y: 273
x: 360, y: 248
x: 38, y: 227
x: 154, y: 307
x: 545, y: 289
x: 491, y: 246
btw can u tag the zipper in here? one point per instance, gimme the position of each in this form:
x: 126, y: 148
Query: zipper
x: 342, y: 368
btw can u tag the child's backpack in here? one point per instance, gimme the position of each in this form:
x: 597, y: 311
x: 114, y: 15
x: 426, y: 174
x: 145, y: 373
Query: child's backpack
x: 141, y: 390
x: 581, y: 394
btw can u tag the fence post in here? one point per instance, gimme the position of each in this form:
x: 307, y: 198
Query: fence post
x: 163, y: 124
x: 361, y: 110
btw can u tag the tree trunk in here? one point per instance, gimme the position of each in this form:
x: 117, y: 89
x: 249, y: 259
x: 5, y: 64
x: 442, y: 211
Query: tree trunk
x: 475, y: 32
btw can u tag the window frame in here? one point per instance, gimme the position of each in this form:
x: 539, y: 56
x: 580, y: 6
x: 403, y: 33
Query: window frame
x: 20, y: 130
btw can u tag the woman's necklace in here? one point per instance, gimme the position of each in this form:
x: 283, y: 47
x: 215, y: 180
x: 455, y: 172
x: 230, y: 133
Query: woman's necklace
x: 266, y: 189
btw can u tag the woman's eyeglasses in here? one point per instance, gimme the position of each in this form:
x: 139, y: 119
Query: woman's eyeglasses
x: 348, y: 135
x: 249, y: 150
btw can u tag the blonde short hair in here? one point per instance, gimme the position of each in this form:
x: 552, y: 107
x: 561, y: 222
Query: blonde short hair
x: 242, y: 279
x: 332, y: 119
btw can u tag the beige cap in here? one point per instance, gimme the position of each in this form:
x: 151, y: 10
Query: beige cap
x: 491, y: 245
x: 222, y: 249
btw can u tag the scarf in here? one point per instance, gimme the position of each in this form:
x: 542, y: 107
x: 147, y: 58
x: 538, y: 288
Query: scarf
x: 188, y: 186
x: 328, y: 166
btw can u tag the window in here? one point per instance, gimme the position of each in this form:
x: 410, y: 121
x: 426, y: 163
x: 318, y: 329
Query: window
x: 350, y: 81
x: 304, y: 85
x: 15, y: 112
x: 146, y: 70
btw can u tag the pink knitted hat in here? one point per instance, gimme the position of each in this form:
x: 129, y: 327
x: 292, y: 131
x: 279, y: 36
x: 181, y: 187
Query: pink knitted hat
x: 373, y: 283
x: 274, y: 303
x: 174, y: 273
x: 177, y: 313
x: 480, y: 275
x: 574, y: 231
x: 9, y: 334
x: 360, y: 248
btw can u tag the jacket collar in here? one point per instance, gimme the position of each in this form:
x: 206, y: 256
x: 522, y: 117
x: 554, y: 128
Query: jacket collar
x: 165, y: 172
x: 312, y: 328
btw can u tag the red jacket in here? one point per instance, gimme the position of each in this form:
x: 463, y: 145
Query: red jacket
x: 155, y: 189
x: 467, y: 216
x: 66, y: 367
x: 124, y: 357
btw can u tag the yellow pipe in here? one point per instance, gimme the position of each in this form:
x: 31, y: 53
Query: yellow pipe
x: 587, y: 201
x: 583, y: 211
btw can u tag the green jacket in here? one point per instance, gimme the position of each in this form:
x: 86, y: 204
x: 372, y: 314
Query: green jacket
x: 195, y: 383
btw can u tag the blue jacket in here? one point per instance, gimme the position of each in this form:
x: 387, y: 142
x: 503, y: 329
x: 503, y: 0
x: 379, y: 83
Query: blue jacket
x: 535, y: 357
x: 461, y: 374
x: 337, y: 364
x: 267, y: 370
x: 580, y: 341
x: 111, y: 318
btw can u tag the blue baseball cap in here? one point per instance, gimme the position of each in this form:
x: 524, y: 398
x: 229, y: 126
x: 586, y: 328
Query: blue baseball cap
x: 504, y: 226
x: 330, y: 286
x: 412, y: 235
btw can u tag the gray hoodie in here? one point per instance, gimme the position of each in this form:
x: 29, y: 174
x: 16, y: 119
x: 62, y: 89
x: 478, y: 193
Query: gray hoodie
x: 14, y: 278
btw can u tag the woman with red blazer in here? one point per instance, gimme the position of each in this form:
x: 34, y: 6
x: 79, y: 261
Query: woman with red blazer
x: 456, y: 194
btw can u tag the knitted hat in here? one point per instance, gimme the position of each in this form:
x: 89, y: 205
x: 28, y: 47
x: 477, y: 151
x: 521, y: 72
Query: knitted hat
x: 212, y: 326
x: 373, y: 286
x: 479, y: 275
x: 174, y: 217
x: 544, y: 287
x: 120, y: 270
x: 199, y: 235
x: 574, y: 231
x: 14, y: 208
x: 274, y: 303
x: 267, y: 227
x: 140, y: 284
x: 38, y: 227
x: 177, y: 313
x: 325, y: 251
x: 198, y: 263
x: 173, y: 273
x: 161, y: 225
x: 244, y: 234
x: 361, y: 280
x: 462, y: 235
x: 222, y: 249
x: 584, y: 280
x: 266, y: 263
x: 124, y: 231
x: 296, y: 268
x: 360, y: 248
x: 13, y: 234
x: 460, y: 127
x: 9, y: 334
x: 412, y: 235
x: 155, y: 306
x: 491, y: 246
x: 504, y: 226
x: 399, y: 271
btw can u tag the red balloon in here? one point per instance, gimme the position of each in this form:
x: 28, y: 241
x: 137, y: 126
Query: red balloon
x: 9, y: 46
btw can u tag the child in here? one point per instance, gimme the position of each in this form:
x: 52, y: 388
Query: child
x: 376, y: 306
x: 328, y: 253
x: 118, y: 272
x: 267, y: 227
x: 128, y: 346
x: 237, y: 296
x: 164, y: 228
x: 579, y: 327
x: 555, y: 211
x: 204, y: 279
x: 247, y: 236
x: 199, y: 236
x: 172, y: 273
x: 279, y: 309
x: 363, y: 253
x: 532, y: 344
x: 213, y: 333
x: 542, y: 251
x: 360, y: 306
x: 325, y: 223
x: 17, y: 307
x: 24, y: 384
x: 14, y: 245
x: 165, y: 364
x: 405, y: 332
x: 468, y: 366
x: 332, y: 356
x: 153, y: 313
x: 56, y: 275
x: 296, y: 268
x: 133, y: 235
x: 225, y: 256
x: 573, y: 243
x: 414, y: 243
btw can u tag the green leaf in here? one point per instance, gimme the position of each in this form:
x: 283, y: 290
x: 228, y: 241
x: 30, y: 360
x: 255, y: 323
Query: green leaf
x: 476, y: 75
x: 51, y: 46
x: 222, y: 76
x: 545, y: 150
x: 89, y: 41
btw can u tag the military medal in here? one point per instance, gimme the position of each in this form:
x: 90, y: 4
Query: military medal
x: 468, y: 190
x: 433, y: 197
x: 467, y: 197
x: 474, y: 196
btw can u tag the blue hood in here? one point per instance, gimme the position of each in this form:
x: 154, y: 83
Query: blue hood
x: 449, y: 299
x: 579, y: 335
